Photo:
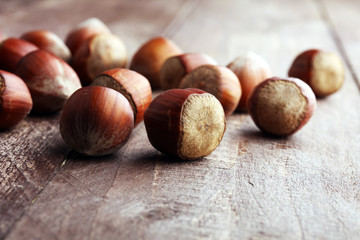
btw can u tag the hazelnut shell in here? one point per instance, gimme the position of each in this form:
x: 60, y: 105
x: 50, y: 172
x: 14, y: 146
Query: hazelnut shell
x: 281, y: 106
x: 150, y: 57
x: 175, y: 68
x: 15, y: 100
x: 96, y: 121
x: 50, y: 80
x: 251, y: 69
x: 12, y: 50
x: 135, y: 87
x: 48, y: 41
x: 323, y: 71
x: 185, y: 123
x: 219, y: 81
x: 98, y: 54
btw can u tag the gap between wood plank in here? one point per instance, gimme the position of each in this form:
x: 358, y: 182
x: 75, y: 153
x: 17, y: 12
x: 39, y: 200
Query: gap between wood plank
x: 180, y: 17
x: 325, y: 15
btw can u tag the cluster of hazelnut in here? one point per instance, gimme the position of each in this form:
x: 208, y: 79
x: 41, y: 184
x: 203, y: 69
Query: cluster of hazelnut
x: 102, y: 101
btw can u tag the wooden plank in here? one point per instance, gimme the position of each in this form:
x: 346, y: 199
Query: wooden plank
x: 251, y: 187
x: 33, y: 152
x: 30, y: 156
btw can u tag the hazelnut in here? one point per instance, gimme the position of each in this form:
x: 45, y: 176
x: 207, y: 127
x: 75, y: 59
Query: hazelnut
x: 186, y: 123
x: 322, y: 70
x: 98, y: 54
x: 48, y: 41
x: 176, y: 67
x: 84, y: 31
x: 50, y: 80
x: 15, y: 100
x: 281, y: 106
x: 135, y: 87
x: 150, y: 57
x: 217, y: 80
x: 96, y: 121
x: 12, y: 50
x: 251, y: 69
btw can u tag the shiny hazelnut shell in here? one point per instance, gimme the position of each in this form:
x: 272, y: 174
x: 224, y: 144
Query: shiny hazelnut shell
x: 15, y: 100
x: 150, y: 57
x: 96, y: 121
x: 219, y: 81
x: 50, y: 80
x: 135, y: 87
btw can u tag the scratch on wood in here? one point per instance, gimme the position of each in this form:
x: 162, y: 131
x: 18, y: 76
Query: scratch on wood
x: 178, y: 20
x: 35, y: 198
x: 290, y: 193
x: 321, y: 6
x: 155, y: 179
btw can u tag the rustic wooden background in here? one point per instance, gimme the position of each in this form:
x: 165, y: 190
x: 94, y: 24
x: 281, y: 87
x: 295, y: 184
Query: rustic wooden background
x: 251, y: 187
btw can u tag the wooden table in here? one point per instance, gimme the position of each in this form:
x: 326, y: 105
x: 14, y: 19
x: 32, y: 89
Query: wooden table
x: 252, y: 187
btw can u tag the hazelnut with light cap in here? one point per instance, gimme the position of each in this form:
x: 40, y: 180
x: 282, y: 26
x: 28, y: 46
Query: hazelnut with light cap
x: 48, y: 41
x: 322, y: 70
x: 50, y: 80
x: 135, y: 87
x: 98, y: 54
x: 150, y: 57
x: 83, y: 31
x: 186, y: 123
x: 176, y: 67
x: 219, y: 81
x: 251, y: 69
x: 281, y: 106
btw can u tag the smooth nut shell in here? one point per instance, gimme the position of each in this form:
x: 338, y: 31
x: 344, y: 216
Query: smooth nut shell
x: 96, y: 121
x: 135, y: 87
x: 50, y: 80
x: 176, y: 67
x: 322, y: 70
x: 48, y: 41
x: 150, y: 57
x: 219, y: 81
x: 98, y: 54
x: 251, y: 69
x: 12, y: 50
x: 84, y: 31
x: 167, y: 122
x: 15, y: 100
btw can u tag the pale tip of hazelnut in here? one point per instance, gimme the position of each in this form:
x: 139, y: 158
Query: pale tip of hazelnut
x: 281, y: 106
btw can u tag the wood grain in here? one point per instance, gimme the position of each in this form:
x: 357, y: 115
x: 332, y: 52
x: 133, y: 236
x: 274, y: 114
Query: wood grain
x: 252, y: 187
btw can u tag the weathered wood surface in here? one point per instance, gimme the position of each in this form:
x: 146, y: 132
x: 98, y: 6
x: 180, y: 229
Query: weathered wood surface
x: 251, y: 187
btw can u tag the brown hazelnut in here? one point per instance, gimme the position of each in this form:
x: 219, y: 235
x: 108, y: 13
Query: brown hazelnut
x: 217, y: 80
x: 150, y: 57
x: 84, y: 31
x: 186, y: 123
x: 281, y: 106
x: 176, y: 67
x: 96, y: 121
x: 48, y: 41
x: 98, y: 54
x: 135, y: 87
x: 50, y: 80
x: 15, y: 100
x: 322, y: 70
x: 251, y: 69
x: 12, y: 50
